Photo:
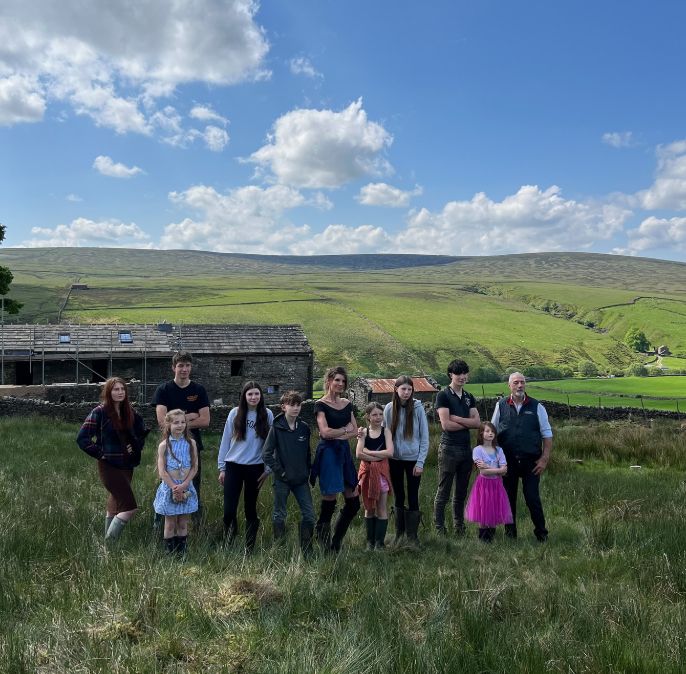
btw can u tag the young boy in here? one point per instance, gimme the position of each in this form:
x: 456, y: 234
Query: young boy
x: 286, y: 453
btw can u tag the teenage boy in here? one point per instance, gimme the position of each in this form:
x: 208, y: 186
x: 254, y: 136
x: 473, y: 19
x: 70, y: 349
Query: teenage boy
x: 457, y: 413
x: 286, y: 453
x: 183, y: 394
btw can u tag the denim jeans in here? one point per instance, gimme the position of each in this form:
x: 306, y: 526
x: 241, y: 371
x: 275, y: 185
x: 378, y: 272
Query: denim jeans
x: 302, y: 496
x: 454, y: 466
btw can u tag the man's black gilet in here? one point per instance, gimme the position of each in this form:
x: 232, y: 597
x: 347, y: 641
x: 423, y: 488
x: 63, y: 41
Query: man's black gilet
x: 519, y: 433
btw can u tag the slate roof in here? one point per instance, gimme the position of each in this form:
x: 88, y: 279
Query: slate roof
x: 27, y: 339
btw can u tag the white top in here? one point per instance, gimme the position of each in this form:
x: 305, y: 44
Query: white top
x: 248, y: 451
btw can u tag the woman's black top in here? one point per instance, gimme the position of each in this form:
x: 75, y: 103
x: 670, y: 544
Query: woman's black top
x: 334, y: 418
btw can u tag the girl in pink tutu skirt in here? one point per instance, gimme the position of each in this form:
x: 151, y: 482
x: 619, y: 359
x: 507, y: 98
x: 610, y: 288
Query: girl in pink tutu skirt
x: 488, y: 504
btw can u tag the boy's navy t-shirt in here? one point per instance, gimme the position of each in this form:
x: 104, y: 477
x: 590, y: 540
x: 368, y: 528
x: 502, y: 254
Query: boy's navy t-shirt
x: 192, y: 399
x: 460, y: 407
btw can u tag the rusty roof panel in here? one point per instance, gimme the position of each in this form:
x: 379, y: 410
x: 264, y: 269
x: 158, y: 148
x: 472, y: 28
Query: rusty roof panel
x: 421, y: 385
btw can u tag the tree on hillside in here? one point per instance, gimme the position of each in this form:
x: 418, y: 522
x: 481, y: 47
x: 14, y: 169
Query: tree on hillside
x: 636, y: 339
x: 11, y: 306
x: 587, y: 368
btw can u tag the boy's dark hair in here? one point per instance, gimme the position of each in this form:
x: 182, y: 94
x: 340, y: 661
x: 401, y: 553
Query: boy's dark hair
x: 291, y: 398
x: 182, y: 357
x: 458, y: 367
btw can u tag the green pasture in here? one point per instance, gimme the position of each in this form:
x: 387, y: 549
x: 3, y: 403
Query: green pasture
x: 378, y: 314
x: 604, y: 594
x: 672, y: 363
x: 653, y: 393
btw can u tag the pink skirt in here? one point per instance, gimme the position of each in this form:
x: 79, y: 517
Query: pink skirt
x: 488, y: 504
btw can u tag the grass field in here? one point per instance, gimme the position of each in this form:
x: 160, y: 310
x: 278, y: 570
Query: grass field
x: 657, y: 393
x: 606, y: 593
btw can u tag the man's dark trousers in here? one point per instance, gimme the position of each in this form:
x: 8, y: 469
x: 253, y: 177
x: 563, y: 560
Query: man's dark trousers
x: 521, y: 467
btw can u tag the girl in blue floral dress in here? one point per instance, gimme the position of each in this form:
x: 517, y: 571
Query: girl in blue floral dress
x: 177, y: 464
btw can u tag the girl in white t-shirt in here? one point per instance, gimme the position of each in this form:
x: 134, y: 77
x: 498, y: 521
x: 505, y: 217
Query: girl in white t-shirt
x: 240, y: 460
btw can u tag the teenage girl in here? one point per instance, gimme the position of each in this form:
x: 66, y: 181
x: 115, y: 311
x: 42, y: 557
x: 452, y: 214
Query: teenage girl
x: 240, y: 460
x: 406, y: 419
x: 333, y: 463
x: 114, y: 434
x: 488, y: 503
x: 177, y: 465
x: 374, y: 448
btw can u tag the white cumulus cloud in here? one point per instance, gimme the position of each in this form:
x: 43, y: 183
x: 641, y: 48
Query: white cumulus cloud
x: 618, y: 139
x: 324, y: 149
x: 246, y: 219
x: 655, y: 233
x: 529, y: 220
x: 112, y: 63
x: 301, y: 65
x: 669, y: 188
x: 215, y: 138
x: 205, y: 113
x: 20, y: 100
x: 85, y: 232
x: 382, y: 194
x: 342, y: 240
x: 107, y: 167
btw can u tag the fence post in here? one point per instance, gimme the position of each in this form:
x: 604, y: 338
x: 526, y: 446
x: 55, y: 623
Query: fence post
x: 569, y: 407
x: 643, y: 407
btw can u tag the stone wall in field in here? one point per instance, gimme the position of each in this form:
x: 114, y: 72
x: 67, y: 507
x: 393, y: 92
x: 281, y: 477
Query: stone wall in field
x: 76, y: 412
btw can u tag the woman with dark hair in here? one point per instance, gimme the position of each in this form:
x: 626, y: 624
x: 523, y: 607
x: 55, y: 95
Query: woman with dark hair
x: 240, y: 460
x: 333, y: 463
x: 114, y: 433
x: 406, y: 418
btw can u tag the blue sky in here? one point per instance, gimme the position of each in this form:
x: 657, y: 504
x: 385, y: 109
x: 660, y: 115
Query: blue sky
x: 315, y: 127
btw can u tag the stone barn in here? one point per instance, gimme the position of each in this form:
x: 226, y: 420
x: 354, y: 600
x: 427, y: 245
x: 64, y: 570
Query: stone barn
x: 279, y: 357
x: 363, y: 391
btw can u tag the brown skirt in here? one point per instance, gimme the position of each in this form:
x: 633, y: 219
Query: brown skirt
x: 117, y: 481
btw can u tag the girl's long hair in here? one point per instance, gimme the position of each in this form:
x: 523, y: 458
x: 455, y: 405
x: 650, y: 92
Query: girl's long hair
x: 261, y: 422
x: 480, y: 433
x: 123, y: 421
x: 408, y: 430
x: 166, y: 434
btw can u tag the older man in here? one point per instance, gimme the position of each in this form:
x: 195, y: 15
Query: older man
x: 526, y: 437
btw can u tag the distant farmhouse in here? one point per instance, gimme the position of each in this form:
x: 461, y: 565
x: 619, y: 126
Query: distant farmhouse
x: 224, y: 356
x: 363, y: 391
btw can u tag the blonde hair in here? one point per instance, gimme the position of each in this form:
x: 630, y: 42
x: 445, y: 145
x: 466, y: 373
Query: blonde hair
x: 166, y: 433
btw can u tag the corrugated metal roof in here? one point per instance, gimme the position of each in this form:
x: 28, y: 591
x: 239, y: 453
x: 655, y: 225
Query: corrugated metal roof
x: 196, y: 338
x: 421, y: 385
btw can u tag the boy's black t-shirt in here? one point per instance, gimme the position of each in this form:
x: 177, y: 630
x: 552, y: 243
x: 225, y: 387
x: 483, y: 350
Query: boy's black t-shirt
x: 461, y: 407
x: 191, y: 398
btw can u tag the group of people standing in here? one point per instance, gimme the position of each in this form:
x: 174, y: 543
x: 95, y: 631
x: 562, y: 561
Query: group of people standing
x: 392, y: 447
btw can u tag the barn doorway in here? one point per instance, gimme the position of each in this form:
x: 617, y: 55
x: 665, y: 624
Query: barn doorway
x: 24, y: 375
x: 100, y: 369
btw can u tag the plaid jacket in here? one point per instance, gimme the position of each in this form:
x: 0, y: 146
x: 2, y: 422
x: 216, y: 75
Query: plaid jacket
x: 99, y: 439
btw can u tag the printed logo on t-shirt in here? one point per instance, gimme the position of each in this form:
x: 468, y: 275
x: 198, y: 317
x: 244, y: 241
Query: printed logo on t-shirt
x: 192, y: 399
x: 250, y: 423
x: 302, y: 438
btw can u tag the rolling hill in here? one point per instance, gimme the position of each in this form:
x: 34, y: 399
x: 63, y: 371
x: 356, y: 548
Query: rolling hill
x: 379, y: 314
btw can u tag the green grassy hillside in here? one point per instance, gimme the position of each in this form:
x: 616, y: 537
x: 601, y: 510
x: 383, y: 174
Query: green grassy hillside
x: 378, y: 314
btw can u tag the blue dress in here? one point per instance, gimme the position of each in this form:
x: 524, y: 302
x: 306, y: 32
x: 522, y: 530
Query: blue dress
x: 164, y: 504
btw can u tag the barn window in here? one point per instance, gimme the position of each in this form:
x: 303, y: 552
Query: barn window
x: 273, y: 388
x: 125, y: 337
x: 237, y: 368
x: 64, y: 338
